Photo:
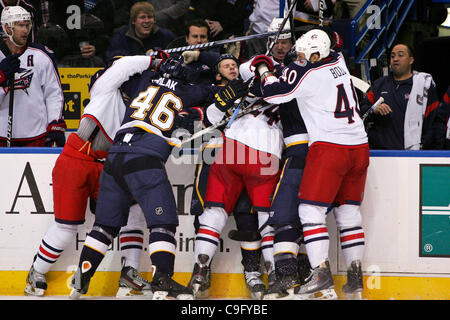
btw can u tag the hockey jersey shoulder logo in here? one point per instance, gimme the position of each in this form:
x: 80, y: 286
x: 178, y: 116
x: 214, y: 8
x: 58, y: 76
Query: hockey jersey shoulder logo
x: 23, y: 79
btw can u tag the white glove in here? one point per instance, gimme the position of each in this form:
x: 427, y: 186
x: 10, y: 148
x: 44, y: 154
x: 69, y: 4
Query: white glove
x: 190, y: 56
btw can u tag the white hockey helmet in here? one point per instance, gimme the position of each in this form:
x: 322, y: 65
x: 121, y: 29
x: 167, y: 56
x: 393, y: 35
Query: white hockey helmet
x: 275, y: 26
x: 13, y: 14
x: 314, y: 41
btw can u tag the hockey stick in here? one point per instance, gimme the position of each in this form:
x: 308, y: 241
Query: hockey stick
x: 372, y: 108
x: 218, y: 43
x: 236, y: 111
x: 222, y: 123
x: 321, y: 8
x: 360, y: 85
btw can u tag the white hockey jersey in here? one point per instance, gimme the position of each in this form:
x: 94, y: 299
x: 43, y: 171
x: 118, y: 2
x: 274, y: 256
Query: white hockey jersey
x: 38, y: 96
x: 106, y: 106
x: 325, y: 96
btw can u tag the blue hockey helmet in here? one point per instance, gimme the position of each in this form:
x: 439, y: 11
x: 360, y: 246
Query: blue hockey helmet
x: 174, y: 68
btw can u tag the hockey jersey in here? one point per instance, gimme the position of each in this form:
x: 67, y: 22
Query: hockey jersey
x: 38, y: 95
x: 153, y: 105
x: 325, y: 96
x: 106, y: 106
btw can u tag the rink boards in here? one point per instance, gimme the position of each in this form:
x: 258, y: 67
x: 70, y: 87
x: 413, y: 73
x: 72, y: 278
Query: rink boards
x: 406, y: 216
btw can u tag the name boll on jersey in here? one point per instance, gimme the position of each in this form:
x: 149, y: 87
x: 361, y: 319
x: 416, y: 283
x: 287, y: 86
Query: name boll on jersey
x: 325, y: 97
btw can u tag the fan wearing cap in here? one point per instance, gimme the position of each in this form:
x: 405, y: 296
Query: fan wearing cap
x: 38, y: 97
x: 337, y: 160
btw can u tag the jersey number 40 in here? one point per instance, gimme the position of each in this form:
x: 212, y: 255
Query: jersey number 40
x: 162, y: 113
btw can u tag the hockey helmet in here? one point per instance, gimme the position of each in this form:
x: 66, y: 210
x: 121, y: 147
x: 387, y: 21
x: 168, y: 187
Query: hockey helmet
x: 174, y: 68
x: 314, y: 41
x: 224, y: 57
x: 275, y: 26
x: 13, y: 14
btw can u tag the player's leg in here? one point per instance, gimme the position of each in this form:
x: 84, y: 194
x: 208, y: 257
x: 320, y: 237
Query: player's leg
x: 349, y: 221
x: 223, y: 190
x: 287, y: 228
x: 321, y: 180
x: 111, y: 214
x: 131, y: 239
x: 72, y: 182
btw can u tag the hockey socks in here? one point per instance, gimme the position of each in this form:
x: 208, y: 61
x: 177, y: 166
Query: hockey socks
x: 162, y: 248
x: 131, y: 245
x: 55, y: 241
x: 352, y: 244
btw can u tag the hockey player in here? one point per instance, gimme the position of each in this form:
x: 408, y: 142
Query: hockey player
x: 248, y: 159
x: 288, y: 261
x: 76, y: 179
x: 134, y: 169
x: 337, y: 160
x: 227, y: 69
x: 38, y: 96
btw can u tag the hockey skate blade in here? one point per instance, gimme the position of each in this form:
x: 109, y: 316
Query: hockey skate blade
x: 75, y: 294
x: 30, y: 291
x: 125, y: 292
x: 278, y: 296
x: 198, y: 294
x: 325, y: 294
x: 259, y: 295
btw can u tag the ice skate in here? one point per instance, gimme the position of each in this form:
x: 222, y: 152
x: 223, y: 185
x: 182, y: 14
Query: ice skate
x: 254, y: 284
x: 318, y: 286
x: 200, y: 281
x: 132, y: 284
x: 36, y: 283
x: 282, y: 288
x: 354, y: 286
x: 80, y: 284
x: 165, y: 288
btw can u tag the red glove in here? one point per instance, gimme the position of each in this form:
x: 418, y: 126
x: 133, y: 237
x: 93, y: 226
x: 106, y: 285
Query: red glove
x: 162, y: 56
x: 56, y: 133
x: 260, y: 60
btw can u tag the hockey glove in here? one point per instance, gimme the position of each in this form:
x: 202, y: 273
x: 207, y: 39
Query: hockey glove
x: 186, y: 118
x: 190, y: 56
x: 225, y: 97
x: 56, y: 133
x: 261, y: 65
x: 8, y: 66
x: 160, y: 57
x: 337, y: 41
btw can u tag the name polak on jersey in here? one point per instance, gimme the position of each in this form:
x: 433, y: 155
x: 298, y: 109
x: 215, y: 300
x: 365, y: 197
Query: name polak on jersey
x: 170, y: 84
x: 337, y: 72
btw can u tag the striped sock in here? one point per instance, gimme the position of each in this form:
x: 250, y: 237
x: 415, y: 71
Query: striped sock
x: 206, y: 242
x: 162, y: 248
x: 316, y: 242
x: 131, y: 245
x: 352, y: 244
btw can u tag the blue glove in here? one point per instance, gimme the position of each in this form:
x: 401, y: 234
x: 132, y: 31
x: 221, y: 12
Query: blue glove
x: 8, y: 66
x: 185, y: 119
x: 56, y: 133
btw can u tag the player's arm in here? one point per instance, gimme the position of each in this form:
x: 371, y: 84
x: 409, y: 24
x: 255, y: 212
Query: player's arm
x: 119, y: 72
x: 280, y: 89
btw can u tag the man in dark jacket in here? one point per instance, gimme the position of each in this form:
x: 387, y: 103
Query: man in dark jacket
x: 406, y: 119
x: 142, y: 35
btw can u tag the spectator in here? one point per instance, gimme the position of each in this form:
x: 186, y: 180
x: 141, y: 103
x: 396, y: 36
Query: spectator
x: 142, y: 35
x: 200, y: 63
x: 260, y: 19
x: 406, y: 119
x: 38, y: 97
x: 171, y: 14
x: 85, y: 22
x: 224, y: 17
